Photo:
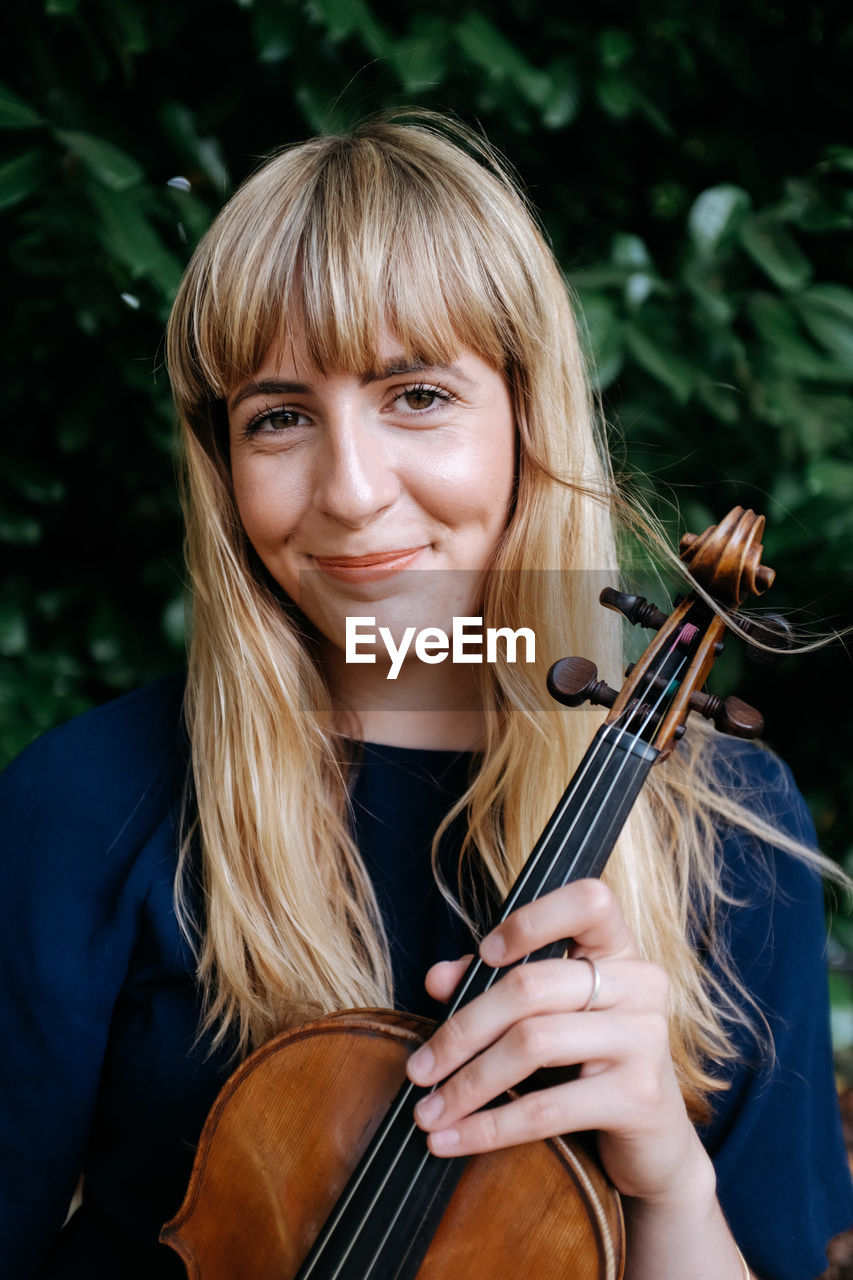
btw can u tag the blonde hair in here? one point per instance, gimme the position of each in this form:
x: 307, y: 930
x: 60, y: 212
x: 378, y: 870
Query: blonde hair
x: 417, y: 229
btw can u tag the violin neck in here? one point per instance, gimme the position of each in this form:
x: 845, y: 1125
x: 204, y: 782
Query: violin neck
x: 578, y: 838
x: 394, y: 1201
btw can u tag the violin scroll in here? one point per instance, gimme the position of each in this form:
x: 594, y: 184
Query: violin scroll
x: 726, y: 558
x: 666, y: 684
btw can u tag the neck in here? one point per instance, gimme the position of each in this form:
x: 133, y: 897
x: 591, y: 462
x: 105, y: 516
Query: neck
x: 432, y: 707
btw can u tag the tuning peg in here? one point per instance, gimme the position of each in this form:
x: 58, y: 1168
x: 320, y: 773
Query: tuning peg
x: 636, y: 609
x: 730, y: 715
x: 573, y: 681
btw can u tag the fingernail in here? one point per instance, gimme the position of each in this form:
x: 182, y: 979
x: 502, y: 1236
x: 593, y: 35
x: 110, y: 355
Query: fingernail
x: 429, y: 1109
x: 444, y: 1141
x: 421, y: 1063
x: 492, y: 948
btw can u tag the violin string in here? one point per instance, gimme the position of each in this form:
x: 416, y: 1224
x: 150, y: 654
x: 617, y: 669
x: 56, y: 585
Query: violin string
x: 405, y: 1095
x: 623, y: 730
x: 630, y: 712
x: 613, y: 742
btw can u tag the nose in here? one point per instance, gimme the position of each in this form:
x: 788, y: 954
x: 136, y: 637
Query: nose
x: 356, y: 479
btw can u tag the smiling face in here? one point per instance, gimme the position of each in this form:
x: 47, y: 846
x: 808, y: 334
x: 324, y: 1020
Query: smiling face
x: 351, y: 485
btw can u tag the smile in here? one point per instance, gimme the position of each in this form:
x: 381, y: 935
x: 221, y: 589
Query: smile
x: 368, y: 568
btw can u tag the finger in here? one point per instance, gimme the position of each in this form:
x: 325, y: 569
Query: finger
x: 585, y: 911
x: 552, y: 1040
x: 633, y: 1042
x: 625, y: 1086
x: 546, y: 986
x: 443, y: 978
x: 577, y: 1106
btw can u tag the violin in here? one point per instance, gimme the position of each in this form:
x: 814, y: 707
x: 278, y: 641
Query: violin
x: 310, y: 1166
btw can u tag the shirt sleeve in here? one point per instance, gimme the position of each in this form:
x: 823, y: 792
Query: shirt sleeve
x: 75, y: 811
x: 776, y: 1142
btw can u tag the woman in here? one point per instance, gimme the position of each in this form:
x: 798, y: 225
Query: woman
x: 385, y: 416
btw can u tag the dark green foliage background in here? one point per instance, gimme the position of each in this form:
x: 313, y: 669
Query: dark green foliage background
x: 693, y: 163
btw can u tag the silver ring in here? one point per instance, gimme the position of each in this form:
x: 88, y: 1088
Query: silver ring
x: 596, y: 982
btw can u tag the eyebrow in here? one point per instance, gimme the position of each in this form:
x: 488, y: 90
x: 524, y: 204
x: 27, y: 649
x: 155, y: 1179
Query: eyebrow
x: 395, y: 369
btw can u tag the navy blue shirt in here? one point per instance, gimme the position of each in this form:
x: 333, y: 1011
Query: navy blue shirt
x: 102, y: 1071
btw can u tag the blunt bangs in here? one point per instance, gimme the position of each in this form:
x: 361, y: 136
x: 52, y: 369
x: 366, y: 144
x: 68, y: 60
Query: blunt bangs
x: 391, y: 230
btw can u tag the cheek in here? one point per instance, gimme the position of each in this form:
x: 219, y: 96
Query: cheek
x: 476, y: 485
x: 267, y: 503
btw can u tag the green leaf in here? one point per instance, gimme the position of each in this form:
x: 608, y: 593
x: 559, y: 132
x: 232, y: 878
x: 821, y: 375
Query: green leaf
x: 663, y: 365
x: 603, y: 338
x: 708, y: 289
x: 55, y: 8
x: 15, y: 113
x: 654, y: 115
x: 179, y: 123
x: 353, y: 17
x: 776, y: 322
x: 132, y: 240
x: 339, y: 17
x: 562, y: 104
x: 13, y: 629
x: 832, y: 477
x: 420, y: 58
x: 814, y: 209
x: 273, y: 31
x: 32, y: 480
x: 723, y: 401
x: 109, y: 164
x: 827, y: 312
x: 173, y: 621
x: 20, y: 177
x: 490, y: 49
x: 615, y: 47
x: 715, y: 215
x: 638, y: 286
x: 18, y: 530
x: 132, y: 33
x: 667, y: 199
x: 323, y: 113
x: 617, y: 97
x: 774, y: 250
x: 840, y: 157
x: 630, y: 251
x: 194, y: 216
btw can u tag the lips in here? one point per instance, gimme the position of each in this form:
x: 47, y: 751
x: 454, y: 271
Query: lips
x: 371, y: 567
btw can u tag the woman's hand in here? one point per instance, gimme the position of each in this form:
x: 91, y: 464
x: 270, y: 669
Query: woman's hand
x: 535, y: 1016
x: 539, y: 1015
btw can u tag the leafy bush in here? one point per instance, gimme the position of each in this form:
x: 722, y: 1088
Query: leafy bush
x: 701, y: 214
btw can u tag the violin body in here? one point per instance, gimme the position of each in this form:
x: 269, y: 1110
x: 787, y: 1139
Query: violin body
x: 289, y: 1127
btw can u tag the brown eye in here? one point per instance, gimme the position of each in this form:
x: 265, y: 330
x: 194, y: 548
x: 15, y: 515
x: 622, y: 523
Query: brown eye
x: 282, y: 418
x: 273, y: 421
x: 420, y: 397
